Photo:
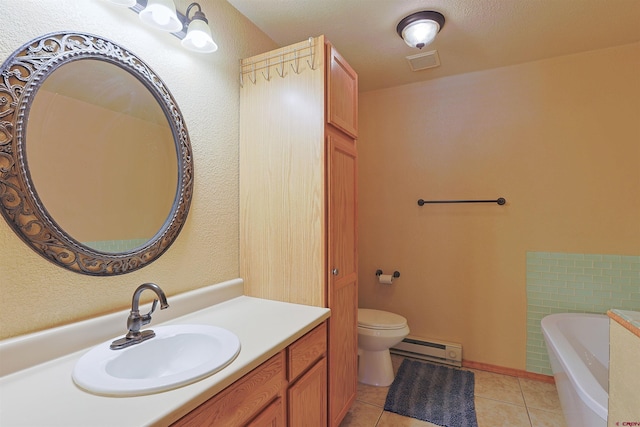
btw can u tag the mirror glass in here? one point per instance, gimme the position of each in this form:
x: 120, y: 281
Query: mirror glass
x: 96, y: 171
x: 101, y: 155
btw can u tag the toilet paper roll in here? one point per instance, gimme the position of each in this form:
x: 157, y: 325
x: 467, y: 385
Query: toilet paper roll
x: 385, y: 279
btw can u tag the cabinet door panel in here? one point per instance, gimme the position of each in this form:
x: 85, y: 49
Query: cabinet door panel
x: 307, y: 398
x: 342, y: 93
x: 342, y: 205
x: 343, y: 350
x: 343, y: 274
x: 304, y: 352
x: 272, y: 416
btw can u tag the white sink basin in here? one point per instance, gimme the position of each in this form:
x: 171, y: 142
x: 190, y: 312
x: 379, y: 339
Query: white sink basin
x: 176, y: 356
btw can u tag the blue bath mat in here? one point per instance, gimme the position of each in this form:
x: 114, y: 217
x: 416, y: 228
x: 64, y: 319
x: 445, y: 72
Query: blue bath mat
x: 433, y: 393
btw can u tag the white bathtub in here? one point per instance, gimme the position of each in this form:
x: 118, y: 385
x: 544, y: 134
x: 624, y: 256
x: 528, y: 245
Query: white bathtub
x: 578, y: 347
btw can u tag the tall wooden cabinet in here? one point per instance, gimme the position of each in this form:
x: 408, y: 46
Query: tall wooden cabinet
x: 298, y: 193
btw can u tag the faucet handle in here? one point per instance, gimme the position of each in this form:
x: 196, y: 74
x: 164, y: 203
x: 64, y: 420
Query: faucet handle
x: 153, y: 307
x: 146, y: 318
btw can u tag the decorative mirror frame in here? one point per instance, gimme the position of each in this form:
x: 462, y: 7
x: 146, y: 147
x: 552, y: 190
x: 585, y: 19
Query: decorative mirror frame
x: 21, y: 75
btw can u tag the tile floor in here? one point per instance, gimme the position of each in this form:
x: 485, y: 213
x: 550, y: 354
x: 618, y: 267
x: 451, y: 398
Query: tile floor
x: 500, y: 401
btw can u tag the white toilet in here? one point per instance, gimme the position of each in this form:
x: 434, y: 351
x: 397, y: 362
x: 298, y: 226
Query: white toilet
x: 378, y: 331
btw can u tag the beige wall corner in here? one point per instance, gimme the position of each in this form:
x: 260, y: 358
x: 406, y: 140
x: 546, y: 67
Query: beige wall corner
x: 624, y: 376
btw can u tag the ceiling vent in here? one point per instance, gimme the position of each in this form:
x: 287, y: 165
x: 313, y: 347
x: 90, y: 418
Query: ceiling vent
x: 425, y: 60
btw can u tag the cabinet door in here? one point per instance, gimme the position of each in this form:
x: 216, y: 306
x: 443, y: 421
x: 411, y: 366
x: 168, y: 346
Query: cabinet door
x: 342, y: 93
x: 343, y: 273
x: 271, y: 416
x: 242, y: 400
x: 307, y: 398
x: 304, y: 352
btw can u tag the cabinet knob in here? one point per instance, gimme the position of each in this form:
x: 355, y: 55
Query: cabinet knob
x: 335, y: 271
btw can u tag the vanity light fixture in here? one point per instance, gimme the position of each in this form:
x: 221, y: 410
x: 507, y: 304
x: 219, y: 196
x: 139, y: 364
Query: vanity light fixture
x: 127, y: 3
x: 420, y: 28
x: 162, y: 14
x: 198, y: 38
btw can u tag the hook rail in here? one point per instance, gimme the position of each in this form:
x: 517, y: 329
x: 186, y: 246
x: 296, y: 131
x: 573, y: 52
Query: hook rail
x: 278, y: 61
x: 501, y: 201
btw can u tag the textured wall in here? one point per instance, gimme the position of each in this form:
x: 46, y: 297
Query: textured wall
x: 624, y: 376
x: 35, y: 294
x: 557, y: 138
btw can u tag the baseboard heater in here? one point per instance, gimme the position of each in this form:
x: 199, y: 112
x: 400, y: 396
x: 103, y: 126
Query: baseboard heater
x: 433, y: 351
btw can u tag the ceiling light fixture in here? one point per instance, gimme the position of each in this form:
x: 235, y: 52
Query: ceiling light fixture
x: 198, y: 38
x: 420, y: 28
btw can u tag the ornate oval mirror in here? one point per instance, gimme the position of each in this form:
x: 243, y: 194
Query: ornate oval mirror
x: 96, y: 173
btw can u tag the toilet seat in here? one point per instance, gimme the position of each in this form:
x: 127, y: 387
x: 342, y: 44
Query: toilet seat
x: 378, y: 319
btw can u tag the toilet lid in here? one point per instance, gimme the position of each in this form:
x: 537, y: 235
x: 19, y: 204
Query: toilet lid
x: 378, y: 319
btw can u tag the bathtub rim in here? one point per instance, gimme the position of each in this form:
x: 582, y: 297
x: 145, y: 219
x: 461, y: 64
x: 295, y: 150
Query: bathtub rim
x: 563, y: 350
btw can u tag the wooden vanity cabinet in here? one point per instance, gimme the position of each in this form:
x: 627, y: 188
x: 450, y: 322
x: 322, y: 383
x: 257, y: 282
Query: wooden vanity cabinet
x: 257, y: 393
x: 298, y: 194
x: 290, y: 389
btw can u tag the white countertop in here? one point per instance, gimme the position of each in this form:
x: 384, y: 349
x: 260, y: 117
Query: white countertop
x: 45, y: 394
x: 627, y: 318
x: 632, y: 317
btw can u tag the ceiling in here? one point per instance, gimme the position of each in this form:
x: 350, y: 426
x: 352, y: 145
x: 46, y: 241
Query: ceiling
x: 117, y: 90
x: 477, y: 35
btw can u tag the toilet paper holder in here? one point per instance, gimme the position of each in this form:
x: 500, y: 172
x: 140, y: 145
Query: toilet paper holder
x: 396, y: 274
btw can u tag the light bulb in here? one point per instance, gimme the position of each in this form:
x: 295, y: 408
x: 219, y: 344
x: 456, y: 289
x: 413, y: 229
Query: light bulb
x: 420, y: 33
x: 161, y: 14
x: 127, y: 3
x: 198, y: 38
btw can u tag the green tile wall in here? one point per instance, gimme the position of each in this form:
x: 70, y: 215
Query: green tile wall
x: 114, y: 246
x: 575, y: 283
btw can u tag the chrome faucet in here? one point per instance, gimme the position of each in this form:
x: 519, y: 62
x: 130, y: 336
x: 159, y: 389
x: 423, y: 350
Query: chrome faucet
x: 135, y: 321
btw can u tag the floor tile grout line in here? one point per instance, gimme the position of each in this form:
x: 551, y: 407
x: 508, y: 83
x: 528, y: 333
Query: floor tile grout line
x: 379, y: 418
x: 529, y: 407
x: 502, y: 401
x: 524, y: 399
